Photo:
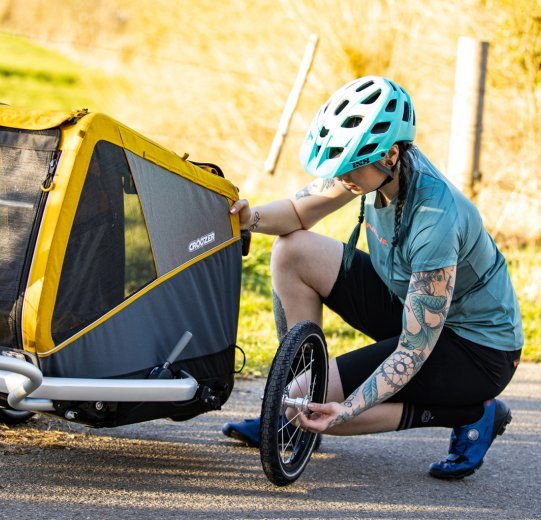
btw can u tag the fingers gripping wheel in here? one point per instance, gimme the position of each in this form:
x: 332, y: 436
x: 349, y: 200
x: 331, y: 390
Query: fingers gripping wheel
x: 298, y: 375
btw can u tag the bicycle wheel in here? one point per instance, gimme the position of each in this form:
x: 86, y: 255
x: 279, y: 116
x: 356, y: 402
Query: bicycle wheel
x: 12, y: 417
x: 299, y: 368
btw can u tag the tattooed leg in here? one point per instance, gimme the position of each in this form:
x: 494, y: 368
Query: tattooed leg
x: 279, y: 316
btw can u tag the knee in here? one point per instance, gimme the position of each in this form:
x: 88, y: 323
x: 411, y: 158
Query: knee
x: 287, y: 251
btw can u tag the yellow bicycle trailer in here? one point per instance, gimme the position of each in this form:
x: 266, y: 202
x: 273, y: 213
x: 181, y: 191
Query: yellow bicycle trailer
x: 120, y: 270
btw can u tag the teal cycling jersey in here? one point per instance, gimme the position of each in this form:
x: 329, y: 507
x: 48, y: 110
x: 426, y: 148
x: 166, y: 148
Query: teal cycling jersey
x: 440, y: 228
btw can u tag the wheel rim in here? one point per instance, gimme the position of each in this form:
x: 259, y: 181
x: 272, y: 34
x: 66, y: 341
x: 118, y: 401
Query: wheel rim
x: 300, y: 360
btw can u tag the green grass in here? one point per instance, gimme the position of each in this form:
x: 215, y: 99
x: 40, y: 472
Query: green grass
x: 34, y: 77
x: 256, y: 325
x: 525, y: 268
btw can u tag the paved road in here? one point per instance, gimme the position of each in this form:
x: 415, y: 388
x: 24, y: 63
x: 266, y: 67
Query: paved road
x: 54, y: 470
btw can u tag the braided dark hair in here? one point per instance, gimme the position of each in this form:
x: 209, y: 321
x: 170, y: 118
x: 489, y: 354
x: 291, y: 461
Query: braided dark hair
x: 349, y: 250
x: 404, y: 164
x: 405, y: 169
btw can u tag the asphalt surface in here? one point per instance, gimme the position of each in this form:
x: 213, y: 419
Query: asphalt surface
x: 55, y: 470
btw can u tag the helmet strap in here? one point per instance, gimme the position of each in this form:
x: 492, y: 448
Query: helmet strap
x: 385, y: 170
x: 386, y: 181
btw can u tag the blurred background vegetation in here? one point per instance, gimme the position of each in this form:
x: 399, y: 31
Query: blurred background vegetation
x: 211, y: 78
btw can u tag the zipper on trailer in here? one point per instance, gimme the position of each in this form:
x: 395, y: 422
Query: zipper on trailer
x: 46, y: 187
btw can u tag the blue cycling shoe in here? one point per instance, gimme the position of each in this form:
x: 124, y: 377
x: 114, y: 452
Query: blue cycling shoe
x: 246, y: 431
x: 470, y: 443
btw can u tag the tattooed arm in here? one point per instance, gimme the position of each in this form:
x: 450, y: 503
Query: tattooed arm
x: 320, y: 198
x: 425, y: 309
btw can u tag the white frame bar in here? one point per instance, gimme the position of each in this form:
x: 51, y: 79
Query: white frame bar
x: 28, y: 389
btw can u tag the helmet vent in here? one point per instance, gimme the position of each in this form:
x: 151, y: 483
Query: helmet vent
x: 391, y: 106
x: 317, y: 149
x: 341, y: 107
x: 324, y: 132
x: 392, y: 85
x: 335, y: 152
x: 413, y: 113
x: 367, y: 149
x: 364, y: 85
x: 352, y: 122
x: 381, y: 128
x: 406, y: 115
x: 371, y: 99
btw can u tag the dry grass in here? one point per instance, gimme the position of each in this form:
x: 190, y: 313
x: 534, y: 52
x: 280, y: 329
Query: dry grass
x: 211, y: 78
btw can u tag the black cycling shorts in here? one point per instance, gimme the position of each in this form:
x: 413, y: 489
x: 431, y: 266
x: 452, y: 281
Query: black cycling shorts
x: 458, y: 372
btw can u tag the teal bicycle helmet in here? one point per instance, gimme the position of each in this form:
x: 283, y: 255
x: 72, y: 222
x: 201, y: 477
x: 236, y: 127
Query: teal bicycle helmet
x: 357, y: 126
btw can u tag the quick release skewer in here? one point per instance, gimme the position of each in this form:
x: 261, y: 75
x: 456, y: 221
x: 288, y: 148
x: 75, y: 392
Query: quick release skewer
x: 300, y: 403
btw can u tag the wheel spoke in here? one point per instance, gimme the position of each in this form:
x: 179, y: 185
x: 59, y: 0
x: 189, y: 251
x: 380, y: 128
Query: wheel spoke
x: 312, y: 388
x: 306, y: 380
x: 306, y: 368
x: 289, y: 444
x: 305, y: 371
x: 297, y: 376
x: 294, y: 373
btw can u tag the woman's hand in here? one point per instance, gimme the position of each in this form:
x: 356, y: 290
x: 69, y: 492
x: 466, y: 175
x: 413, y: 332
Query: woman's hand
x: 324, y: 416
x: 242, y: 207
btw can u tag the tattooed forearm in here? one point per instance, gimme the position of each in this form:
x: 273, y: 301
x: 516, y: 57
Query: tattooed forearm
x: 255, y: 223
x: 279, y: 316
x: 317, y: 186
x: 425, y: 310
x: 305, y: 192
x: 396, y: 371
x: 349, y: 401
x: 326, y: 184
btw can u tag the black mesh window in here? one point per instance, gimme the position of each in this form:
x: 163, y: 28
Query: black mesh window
x: 108, y: 257
x: 25, y: 158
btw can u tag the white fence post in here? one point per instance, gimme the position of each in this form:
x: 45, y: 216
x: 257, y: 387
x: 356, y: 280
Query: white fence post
x: 467, y: 119
x: 291, y: 104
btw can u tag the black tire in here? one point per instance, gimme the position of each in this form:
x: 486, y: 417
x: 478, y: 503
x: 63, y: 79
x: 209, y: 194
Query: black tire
x: 12, y: 417
x: 285, y: 450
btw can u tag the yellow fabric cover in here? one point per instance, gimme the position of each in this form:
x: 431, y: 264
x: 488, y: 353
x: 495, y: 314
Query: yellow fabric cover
x: 28, y: 119
x: 78, y: 139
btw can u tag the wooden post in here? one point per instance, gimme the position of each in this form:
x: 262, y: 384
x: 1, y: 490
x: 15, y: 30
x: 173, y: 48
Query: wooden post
x: 291, y: 104
x: 467, y: 119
